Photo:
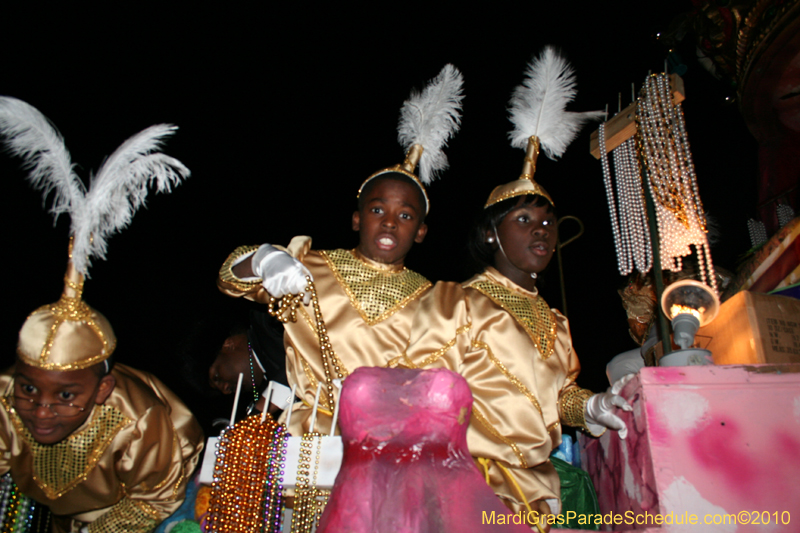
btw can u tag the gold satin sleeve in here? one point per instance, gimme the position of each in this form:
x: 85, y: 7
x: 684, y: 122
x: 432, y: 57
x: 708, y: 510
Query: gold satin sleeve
x: 230, y: 284
x: 515, y: 421
x: 165, y: 448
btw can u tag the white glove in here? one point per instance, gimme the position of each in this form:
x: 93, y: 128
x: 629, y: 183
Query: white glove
x: 84, y: 529
x: 599, y: 413
x: 280, y: 273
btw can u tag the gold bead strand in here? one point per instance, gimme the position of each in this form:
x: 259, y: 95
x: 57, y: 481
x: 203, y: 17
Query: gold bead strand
x: 326, y: 348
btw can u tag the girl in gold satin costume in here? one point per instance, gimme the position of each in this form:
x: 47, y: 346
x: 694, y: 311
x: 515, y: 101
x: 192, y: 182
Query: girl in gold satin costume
x: 514, y: 351
x: 495, y: 330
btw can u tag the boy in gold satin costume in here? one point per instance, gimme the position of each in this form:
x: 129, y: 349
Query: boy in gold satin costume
x: 108, y: 449
x: 366, y: 296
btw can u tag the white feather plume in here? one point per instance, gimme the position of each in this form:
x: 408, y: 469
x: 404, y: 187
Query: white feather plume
x: 31, y: 136
x: 538, y: 106
x: 430, y: 119
x: 115, y: 193
x: 120, y: 188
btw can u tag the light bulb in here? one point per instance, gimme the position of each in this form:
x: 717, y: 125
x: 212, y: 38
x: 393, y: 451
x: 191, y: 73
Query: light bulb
x: 689, y: 304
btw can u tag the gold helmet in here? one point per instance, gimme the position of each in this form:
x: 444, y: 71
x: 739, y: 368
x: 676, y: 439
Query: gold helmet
x: 68, y: 334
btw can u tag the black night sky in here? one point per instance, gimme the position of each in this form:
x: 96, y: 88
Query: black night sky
x: 283, y: 111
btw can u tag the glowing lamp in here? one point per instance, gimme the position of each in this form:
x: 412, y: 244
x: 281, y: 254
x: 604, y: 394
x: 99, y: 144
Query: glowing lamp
x: 689, y: 304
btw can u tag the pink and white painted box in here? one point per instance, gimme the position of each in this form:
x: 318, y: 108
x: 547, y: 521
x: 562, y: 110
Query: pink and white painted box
x: 709, y: 448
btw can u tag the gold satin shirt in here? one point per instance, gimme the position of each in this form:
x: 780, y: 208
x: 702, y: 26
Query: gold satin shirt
x: 367, y: 308
x: 124, y: 470
x: 516, y: 354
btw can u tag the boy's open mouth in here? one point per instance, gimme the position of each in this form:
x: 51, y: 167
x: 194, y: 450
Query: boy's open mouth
x: 386, y: 243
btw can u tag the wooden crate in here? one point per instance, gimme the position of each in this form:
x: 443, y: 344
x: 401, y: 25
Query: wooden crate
x: 754, y: 328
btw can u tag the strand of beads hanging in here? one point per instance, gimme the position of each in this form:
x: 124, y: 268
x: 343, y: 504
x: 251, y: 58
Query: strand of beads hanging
x: 252, y: 373
x: 273, y: 493
x: 305, y: 507
x: 624, y: 216
x: 663, y: 145
x: 18, y: 512
x: 330, y: 363
x: 612, y: 207
x: 628, y: 214
x: 310, y: 501
x: 5, y: 497
x: 241, y: 483
x: 10, y: 503
x: 315, y: 512
x: 640, y: 232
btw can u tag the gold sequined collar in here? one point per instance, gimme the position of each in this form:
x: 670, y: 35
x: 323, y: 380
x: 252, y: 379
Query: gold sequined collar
x: 528, y: 308
x: 58, y: 468
x: 375, y: 292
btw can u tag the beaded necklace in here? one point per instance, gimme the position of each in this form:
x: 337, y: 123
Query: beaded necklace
x: 252, y: 373
x: 246, y: 492
x: 309, y: 500
x: 18, y: 513
x: 273, y: 494
x: 664, y: 147
x: 631, y: 234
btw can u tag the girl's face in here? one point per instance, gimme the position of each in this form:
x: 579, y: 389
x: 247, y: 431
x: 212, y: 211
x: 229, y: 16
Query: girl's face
x: 527, y: 235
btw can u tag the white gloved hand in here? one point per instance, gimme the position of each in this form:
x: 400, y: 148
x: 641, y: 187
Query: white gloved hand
x: 280, y: 273
x: 599, y: 413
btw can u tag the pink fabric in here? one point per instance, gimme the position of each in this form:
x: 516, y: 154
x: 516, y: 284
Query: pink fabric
x: 406, y: 466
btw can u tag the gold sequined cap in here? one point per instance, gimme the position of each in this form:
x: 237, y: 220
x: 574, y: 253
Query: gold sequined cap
x: 68, y: 334
x: 406, y: 168
x: 525, y: 184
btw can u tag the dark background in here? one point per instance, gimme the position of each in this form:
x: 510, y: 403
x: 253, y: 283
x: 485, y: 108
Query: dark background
x: 284, y: 111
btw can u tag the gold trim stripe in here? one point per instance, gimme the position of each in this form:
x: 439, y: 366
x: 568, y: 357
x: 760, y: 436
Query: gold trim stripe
x: 511, y: 377
x: 482, y: 419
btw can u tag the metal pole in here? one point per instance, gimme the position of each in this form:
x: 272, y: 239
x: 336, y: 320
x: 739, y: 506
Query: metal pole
x: 663, y: 324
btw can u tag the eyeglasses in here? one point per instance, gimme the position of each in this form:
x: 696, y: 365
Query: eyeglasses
x: 27, y: 405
